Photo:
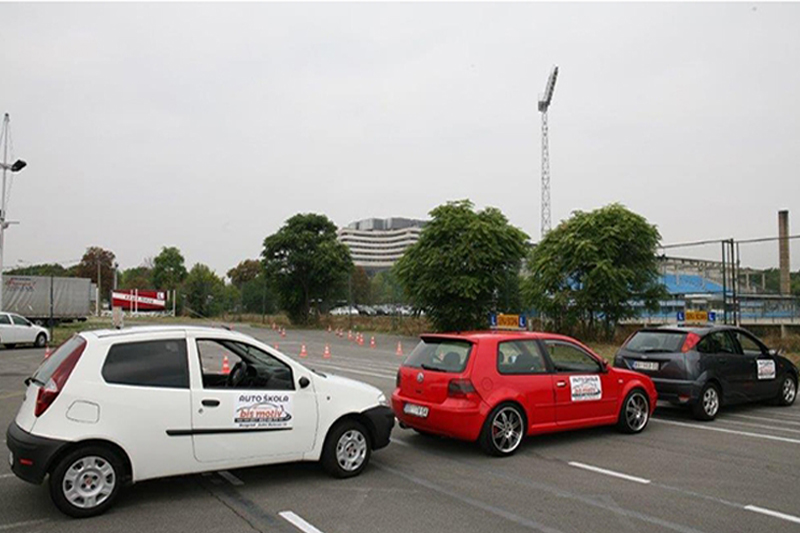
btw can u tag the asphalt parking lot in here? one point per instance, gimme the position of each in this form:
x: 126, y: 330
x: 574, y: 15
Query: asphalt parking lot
x: 738, y: 473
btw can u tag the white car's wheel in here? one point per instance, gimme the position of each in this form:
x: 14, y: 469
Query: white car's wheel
x: 347, y: 449
x: 86, y: 482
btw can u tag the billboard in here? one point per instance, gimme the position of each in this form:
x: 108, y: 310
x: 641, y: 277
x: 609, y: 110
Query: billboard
x: 139, y: 300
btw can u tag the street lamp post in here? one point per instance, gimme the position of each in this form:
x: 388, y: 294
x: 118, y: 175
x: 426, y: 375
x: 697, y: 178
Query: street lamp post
x: 18, y: 165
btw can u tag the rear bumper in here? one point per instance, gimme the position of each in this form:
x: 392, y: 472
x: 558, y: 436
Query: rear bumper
x: 459, y: 419
x: 31, y: 455
x: 677, y: 390
x: 382, y: 420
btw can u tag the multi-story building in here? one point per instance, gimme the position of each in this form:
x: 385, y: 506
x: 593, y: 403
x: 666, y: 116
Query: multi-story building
x: 377, y: 243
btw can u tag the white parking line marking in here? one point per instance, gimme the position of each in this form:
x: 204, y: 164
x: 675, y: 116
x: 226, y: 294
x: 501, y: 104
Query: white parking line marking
x: 21, y: 524
x: 230, y: 478
x: 7, y: 475
x: 765, y: 418
x: 762, y: 426
x: 324, y: 366
x: 776, y: 514
x: 721, y: 430
x: 394, y: 441
x: 609, y: 472
x: 298, y: 522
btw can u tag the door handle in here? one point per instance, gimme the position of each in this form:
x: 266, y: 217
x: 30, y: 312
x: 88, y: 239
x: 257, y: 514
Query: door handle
x: 210, y: 403
x: 561, y: 384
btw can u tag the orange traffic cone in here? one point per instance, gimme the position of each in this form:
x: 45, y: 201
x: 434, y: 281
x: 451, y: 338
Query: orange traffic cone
x: 399, y: 348
x: 283, y: 332
x: 273, y: 325
x: 360, y: 339
x: 372, y: 342
x: 226, y: 368
x: 276, y: 345
x: 327, y: 353
x: 303, y: 352
x: 47, y: 351
x: 329, y: 328
x: 349, y: 334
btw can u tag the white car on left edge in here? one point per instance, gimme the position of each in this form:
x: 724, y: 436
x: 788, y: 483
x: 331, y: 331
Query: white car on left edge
x: 114, y: 407
x: 15, y: 329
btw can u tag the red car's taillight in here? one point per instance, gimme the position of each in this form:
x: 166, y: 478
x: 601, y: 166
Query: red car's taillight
x: 691, y: 341
x: 397, y: 379
x: 49, y: 392
x: 459, y: 388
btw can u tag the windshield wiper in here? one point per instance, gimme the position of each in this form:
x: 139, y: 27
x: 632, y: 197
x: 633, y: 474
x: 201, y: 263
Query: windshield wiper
x: 656, y: 350
x: 429, y: 367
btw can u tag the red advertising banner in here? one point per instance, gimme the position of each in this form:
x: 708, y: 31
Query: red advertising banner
x: 139, y: 300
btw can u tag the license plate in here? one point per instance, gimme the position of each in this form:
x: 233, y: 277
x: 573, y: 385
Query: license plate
x: 645, y: 365
x: 415, y: 410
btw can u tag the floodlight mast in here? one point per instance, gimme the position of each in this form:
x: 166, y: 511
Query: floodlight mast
x: 544, y: 105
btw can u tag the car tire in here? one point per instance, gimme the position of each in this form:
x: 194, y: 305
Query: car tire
x: 788, y: 392
x: 503, y: 430
x: 347, y: 449
x: 10, y: 346
x: 86, y: 481
x: 634, y: 414
x: 707, y: 406
x: 41, y: 340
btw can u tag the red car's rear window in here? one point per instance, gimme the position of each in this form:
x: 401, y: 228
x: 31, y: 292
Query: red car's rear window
x: 442, y: 355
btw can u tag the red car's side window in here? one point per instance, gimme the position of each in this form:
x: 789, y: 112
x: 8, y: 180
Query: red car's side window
x: 520, y: 357
x: 569, y: 358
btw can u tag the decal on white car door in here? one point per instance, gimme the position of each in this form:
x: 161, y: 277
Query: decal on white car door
x: 263, y: 410
x: 585, y: 388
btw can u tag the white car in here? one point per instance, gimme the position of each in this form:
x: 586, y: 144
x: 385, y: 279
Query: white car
x: 114, y: 407
x: 15, y: 329
x: 339, y: 311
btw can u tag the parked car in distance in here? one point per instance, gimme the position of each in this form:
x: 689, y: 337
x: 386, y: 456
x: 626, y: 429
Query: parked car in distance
x: 497, y: 387
x: 707, y: 367
x: 113, y: 407
x: 15, y: 329
x: 346, y: 310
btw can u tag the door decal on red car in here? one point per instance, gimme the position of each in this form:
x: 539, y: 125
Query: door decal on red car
x: 585, y: 388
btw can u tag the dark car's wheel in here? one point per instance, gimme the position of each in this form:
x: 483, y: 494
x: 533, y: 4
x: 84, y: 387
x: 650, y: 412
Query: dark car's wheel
x: 347, y: 449
x: 503, y: 430
x: 86, y: 482
x: 634, y: 413
x: 707, y: 406
x: 788, y: 391
x: 41, y: 340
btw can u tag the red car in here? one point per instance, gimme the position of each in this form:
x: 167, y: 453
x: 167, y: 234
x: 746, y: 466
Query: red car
x: 497, y: 387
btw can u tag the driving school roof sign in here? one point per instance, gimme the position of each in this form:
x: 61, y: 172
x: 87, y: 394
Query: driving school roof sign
x: 502, y: 321
x: 697, y: 316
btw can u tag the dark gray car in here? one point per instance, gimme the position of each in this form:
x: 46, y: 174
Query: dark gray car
x: 706, y: 367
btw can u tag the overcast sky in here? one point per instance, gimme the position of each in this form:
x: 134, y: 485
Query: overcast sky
x: 206, y: 126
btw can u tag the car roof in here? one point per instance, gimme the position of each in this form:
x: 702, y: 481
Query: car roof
x: 145, y: 330
x: 699, y: 329
x: 501, y: 335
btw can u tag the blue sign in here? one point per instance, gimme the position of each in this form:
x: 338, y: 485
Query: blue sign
x: 493, y: 320
x: 523, y: 322
x: 712, y: 316
x: 681, y: 316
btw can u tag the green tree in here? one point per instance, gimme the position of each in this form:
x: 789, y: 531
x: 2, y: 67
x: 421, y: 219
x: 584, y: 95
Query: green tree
x: 245, y: 271
x: 95, y: 259
x: 169, y: 270
x: 361, y: 286
x: 258, y: 296
x: 205, y: 292
x: 139, y: 277
x: 595, y: 268
x: 386, y: 289
x: 48, y: 269
x: 461, y: 262
x: 306, y: 263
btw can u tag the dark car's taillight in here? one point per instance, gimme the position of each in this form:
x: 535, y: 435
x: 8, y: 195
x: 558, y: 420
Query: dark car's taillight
x: 50, y: 391
x: 691, y: 341
x: 460, y: 388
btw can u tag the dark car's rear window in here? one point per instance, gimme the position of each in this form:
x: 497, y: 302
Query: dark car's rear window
x: 656, y: 342
x: 443, y: 355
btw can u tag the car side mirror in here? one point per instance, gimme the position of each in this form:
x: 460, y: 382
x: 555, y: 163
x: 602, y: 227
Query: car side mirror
x: 773, y: 352
x: 604, y: 364
x: 304, y: 382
